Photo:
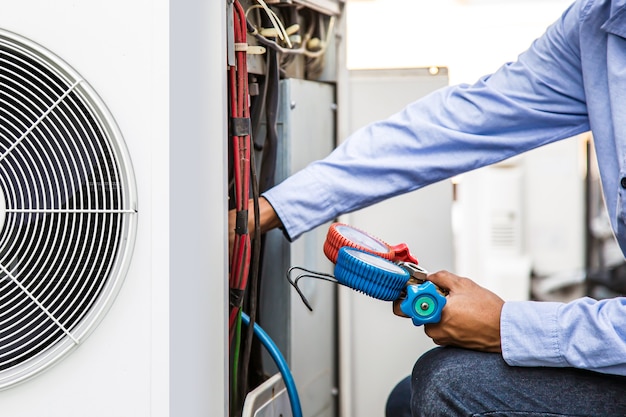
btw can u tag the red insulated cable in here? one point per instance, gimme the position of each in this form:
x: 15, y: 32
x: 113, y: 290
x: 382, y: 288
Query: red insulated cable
x: 244, y: 141
x: 242, y: 99
x: 239, y: 107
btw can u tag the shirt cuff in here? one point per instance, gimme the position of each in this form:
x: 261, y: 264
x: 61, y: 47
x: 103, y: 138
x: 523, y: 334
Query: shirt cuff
x: 301, y: 202
x: 529, y: 334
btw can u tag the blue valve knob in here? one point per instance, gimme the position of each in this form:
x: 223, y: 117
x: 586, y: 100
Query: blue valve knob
x: 423, y: 303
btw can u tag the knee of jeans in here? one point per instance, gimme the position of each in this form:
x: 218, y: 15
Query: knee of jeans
x: 435, y: 376
x: 430, y: 365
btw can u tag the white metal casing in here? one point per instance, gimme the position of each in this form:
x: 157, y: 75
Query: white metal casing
x: 159, y: 66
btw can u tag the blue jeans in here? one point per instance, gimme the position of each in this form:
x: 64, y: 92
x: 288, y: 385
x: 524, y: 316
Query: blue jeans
x: 458, y: 382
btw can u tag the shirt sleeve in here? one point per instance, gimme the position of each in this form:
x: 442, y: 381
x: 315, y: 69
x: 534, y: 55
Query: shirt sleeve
x: 584, y: 333
x: 534, y: 101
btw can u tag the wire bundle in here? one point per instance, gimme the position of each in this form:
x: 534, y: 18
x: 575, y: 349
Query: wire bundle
x: 247, y: 112
x: 240, y: 112
x: 239, y: 107
x: 287, y: 39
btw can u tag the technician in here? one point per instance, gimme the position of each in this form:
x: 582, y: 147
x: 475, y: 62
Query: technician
x: 500, y: 358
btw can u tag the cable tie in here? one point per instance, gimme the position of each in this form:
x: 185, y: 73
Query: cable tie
x: 241, y: 47
x: 235, y: 297
x: 256, y: 50
x: 240, y: 126
x: 292, y: 29
x: 269, y: 32
x: 241, y: 222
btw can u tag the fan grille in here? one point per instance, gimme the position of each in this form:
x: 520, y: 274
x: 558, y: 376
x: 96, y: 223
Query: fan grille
x: 67, y: 209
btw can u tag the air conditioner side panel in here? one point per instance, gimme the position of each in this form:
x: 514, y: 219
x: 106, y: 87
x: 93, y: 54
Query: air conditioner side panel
x: 121, y: 49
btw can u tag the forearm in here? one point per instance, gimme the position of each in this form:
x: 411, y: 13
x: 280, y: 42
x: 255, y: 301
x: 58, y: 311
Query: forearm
x: 268, y: 219
x: 584, y: 333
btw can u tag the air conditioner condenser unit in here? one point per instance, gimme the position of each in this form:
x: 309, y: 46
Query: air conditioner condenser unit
x: 112, y: 209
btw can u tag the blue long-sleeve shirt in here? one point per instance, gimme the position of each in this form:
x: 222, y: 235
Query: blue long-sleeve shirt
x: 571, y: 80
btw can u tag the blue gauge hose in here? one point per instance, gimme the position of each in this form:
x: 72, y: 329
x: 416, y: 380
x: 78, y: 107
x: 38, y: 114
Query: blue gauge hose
x: 272, y: 349
x: 370, y: 274
x: 385, y: 280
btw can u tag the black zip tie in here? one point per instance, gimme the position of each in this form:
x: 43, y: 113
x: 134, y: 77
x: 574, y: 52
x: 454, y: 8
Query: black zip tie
x: 240, y: 126
x: 236, y: 297
x: 241, y: 222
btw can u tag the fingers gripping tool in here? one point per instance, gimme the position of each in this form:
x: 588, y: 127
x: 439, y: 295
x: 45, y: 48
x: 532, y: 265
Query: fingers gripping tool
x: 371, y: 266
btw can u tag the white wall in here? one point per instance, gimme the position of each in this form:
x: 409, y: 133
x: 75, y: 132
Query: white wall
x: 470, y: 37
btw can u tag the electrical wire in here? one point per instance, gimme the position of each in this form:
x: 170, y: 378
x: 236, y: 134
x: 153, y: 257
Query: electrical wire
x: 314, y: 65
x: 268, y: 159
x: 240, y: 110
x: 258, y: 110
x: 247, y: 254
x: 309, y: 274
x: 254, y: 276
x: 303, y: 50
x: 234, y: 397
x: 281, y: 363
x: 281, y: 32
x: 265, y: 181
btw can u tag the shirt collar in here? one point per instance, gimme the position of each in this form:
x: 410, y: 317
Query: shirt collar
x: 616, y: 24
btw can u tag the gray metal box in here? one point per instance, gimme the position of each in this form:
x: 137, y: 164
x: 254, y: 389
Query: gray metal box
x: 306, y: 130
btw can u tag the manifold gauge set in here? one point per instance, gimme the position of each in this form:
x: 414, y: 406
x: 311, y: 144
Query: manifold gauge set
x: 389, y: 273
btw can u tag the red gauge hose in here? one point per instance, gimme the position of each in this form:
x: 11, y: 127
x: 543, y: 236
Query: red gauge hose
x: 340, y: 235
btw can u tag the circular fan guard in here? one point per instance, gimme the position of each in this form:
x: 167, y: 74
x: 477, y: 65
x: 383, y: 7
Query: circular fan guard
x: 67, y: 209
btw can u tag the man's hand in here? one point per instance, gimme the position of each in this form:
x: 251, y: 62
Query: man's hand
x: 268, y: 220
x: 471, y: 316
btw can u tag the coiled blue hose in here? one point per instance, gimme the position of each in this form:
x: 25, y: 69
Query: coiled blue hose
x: 370, y: 274
x: 272, y: 349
